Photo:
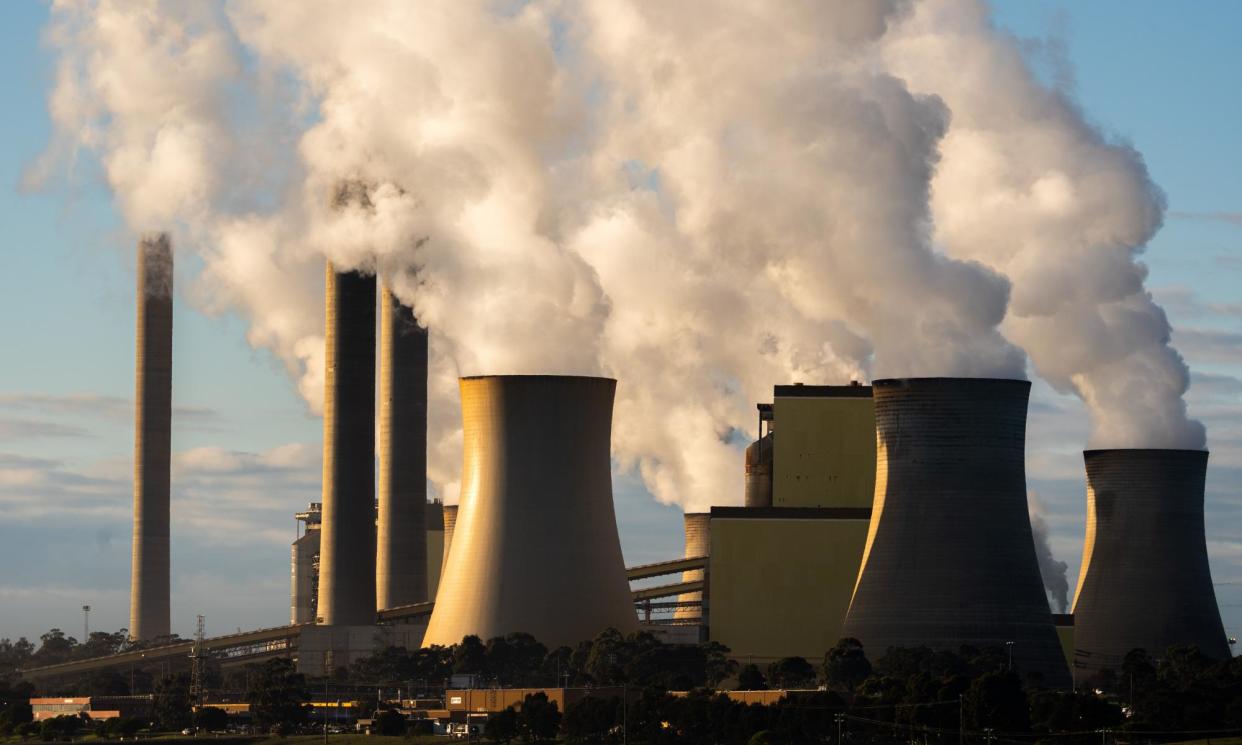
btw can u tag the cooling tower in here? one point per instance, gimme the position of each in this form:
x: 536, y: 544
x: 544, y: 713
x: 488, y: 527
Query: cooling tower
x: 535, y: 548
x: 1145, y: 581
x: 450, y: 522
x: 759, y: 472
x: 401, y: 558
x: 698, y: 527
x: 950, y: 559
x: 149, y: 590
x: 347, y: 538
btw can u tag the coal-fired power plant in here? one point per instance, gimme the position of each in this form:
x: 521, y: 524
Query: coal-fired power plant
x: 401, y: 550
x: 149, y: 615
x: 950, y: 558
x: 347, y: 536
x: 1145, y: 581
x: 535, y: 548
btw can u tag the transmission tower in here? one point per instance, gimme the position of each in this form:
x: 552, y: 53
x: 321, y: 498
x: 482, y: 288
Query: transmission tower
x: 196, y: 668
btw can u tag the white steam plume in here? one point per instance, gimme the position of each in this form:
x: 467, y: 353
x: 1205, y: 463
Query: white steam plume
x: 1029, y: 188
x: 698, y: 198
x: 1056, y: 584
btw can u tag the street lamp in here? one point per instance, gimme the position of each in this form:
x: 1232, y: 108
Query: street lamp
x: 1009, y: 646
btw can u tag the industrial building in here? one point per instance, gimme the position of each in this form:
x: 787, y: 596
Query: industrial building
x: 535, y: 545
x: 1145, y: 582
x: 781, y: 569
x: 950, y: 558
x: 149, y: 611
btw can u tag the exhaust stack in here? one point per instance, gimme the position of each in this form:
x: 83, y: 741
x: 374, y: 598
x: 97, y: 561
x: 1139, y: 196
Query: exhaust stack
x: 401, y: 559
x: 149, y: 614
x: 347, y: 538
x: 535, y: 547
x: 1145, y: 582
x: 950, y: 558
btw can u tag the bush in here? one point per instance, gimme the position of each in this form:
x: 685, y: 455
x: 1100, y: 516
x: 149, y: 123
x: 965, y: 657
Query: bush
x: 390, y: 722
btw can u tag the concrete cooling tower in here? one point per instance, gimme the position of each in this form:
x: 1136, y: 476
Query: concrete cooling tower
x: 149, y: 590
x: 950, y: 559
x: 698, y: 543
x: 450, y: 522
x: 401, y: 554
x: 1145, y: 581
x: 535, y: 547
x: 347, y: 535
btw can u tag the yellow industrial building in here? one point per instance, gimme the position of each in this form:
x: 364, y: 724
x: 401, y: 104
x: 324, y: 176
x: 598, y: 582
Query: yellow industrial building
x: 780, y: 576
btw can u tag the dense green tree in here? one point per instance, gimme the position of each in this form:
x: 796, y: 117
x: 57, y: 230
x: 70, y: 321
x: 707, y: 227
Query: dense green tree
x: 539, y: 719
x: 515, y: 659
x: 14, y: 655
x: 749, y: 678
x: 791, y: 672
x: 54, y: 648
x: 277, y: 694
x: 470, y: 657
x: 502, y: 726
x: 846, y: 665
x: 171, y: 708
x: 390, y: 722
x: 716, y: 662
x: 996, y: 700
x: 590, y: 720
x: 106, y: 683
x: 211, y: 719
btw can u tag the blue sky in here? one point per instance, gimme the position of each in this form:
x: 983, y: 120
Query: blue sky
x: 1159, y: 75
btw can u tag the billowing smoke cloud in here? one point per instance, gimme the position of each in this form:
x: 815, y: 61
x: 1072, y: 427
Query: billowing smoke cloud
x: 1026, y: 186
x: 698, y: 198
x: 1055, y: 582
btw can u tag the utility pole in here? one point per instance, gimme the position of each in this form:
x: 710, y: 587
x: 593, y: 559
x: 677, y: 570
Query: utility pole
x: 86, y: 623
x: 961, y: 720
x: 840, y: 716
x: 1009, y: 646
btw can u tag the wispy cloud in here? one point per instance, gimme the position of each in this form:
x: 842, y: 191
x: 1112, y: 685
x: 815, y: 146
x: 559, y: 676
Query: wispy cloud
x: 1233, y: 218
x: 25, y: 429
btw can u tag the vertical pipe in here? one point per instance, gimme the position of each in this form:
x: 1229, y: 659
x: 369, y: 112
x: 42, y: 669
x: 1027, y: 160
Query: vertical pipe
x: 401, y: 561
x: 347, y: 535
x: 149, y: 593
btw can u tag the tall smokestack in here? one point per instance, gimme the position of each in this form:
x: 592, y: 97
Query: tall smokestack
x: 347, y: 538
x: 149, y: 590
x: 950, y: 558
x: 698, y: 526
x: 401, y: 558
x: 535, y: 548
x: 1145, y: 582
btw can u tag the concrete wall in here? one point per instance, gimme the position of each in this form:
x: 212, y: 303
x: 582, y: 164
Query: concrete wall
x: 781, y: 579
x: 535, y: 547
x: 149, y: 611
x: 824, y: 447
x: 1145, y: 580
